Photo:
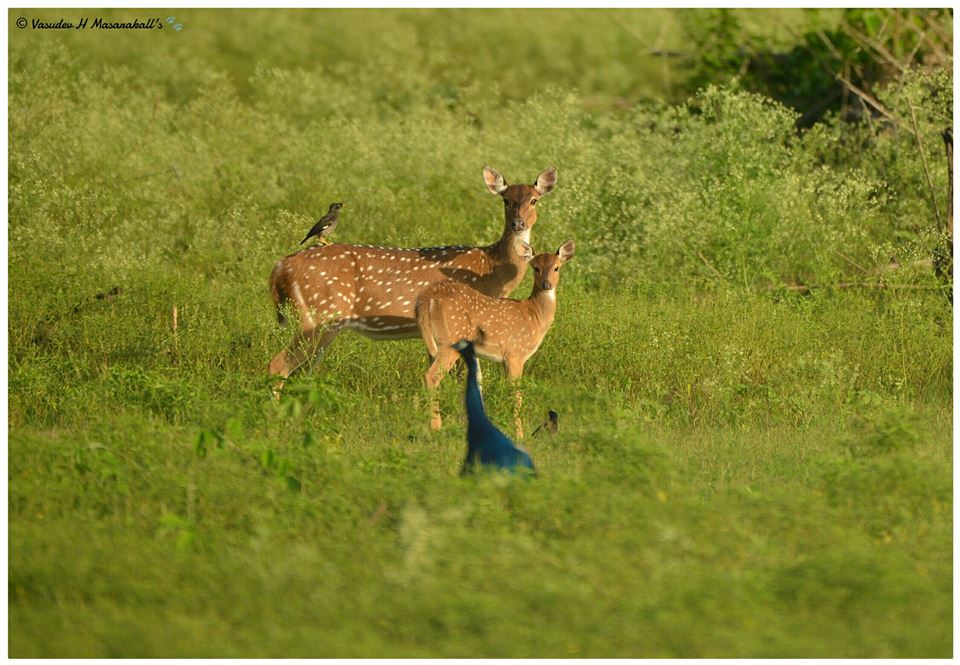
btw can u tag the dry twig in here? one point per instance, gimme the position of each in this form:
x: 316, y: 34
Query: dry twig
x: 850, y: 261
x: 926, y: 169
x: 709, y: 265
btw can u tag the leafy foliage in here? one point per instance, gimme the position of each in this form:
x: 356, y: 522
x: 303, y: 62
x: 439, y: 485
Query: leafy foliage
x: 834, y: 66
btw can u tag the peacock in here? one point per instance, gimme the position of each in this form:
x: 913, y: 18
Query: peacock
x: 486, y: 444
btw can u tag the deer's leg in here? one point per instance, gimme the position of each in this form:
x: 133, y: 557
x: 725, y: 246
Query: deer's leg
x: 279, y: 366
x: 441, y: 364
x: 307, y: 345
x: 431, y: 382
x: 322, y: 341
x: 514, y: 370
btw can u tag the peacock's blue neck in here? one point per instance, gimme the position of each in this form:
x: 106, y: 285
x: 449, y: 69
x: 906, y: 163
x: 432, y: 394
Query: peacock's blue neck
x: 475, y: 413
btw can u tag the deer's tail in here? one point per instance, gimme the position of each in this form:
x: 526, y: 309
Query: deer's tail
x: 277, y: 293
x: 425, y: 313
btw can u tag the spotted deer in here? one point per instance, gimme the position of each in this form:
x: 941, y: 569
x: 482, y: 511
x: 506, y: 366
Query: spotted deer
x: 503, y: 330
x: 373, y: 290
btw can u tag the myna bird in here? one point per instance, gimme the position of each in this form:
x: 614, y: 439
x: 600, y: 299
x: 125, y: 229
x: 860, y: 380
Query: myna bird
x: 549, y: 425
x: 486, y: 445
x: 326, y: 225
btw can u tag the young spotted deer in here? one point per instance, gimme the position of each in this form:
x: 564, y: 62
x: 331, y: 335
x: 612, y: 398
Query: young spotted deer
x: 504, y: 330
x: 373, y: 289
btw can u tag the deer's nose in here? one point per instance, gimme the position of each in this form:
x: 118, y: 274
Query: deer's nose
x: 519, y: 225
x: 547, y: 285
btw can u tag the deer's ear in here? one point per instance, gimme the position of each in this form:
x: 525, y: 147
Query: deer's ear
x: 566, y: 251
x: 546, y: 181
x: 526, y: 251
x: 494, y: 181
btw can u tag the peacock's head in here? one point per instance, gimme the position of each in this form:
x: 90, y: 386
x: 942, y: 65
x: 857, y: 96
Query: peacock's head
x: 465, y: 348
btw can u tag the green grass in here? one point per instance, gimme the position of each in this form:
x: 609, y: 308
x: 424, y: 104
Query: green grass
x: 723, y: 483
x: 636, y: 540
x: 739, y: 472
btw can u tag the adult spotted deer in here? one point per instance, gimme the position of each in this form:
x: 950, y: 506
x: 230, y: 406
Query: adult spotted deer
x: 373, y: 290
x: 504, y: 330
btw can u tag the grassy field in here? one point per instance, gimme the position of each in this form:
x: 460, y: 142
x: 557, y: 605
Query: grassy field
x: 739, y: 471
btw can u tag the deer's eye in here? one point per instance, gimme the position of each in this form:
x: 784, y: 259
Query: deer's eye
x: 557, y: 269
x: 536, y: 268
x: 533, y: 202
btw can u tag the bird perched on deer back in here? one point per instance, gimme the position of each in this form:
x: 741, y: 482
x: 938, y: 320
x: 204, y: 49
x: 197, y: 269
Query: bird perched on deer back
x: 326, y: 224
x: 486, y: 445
